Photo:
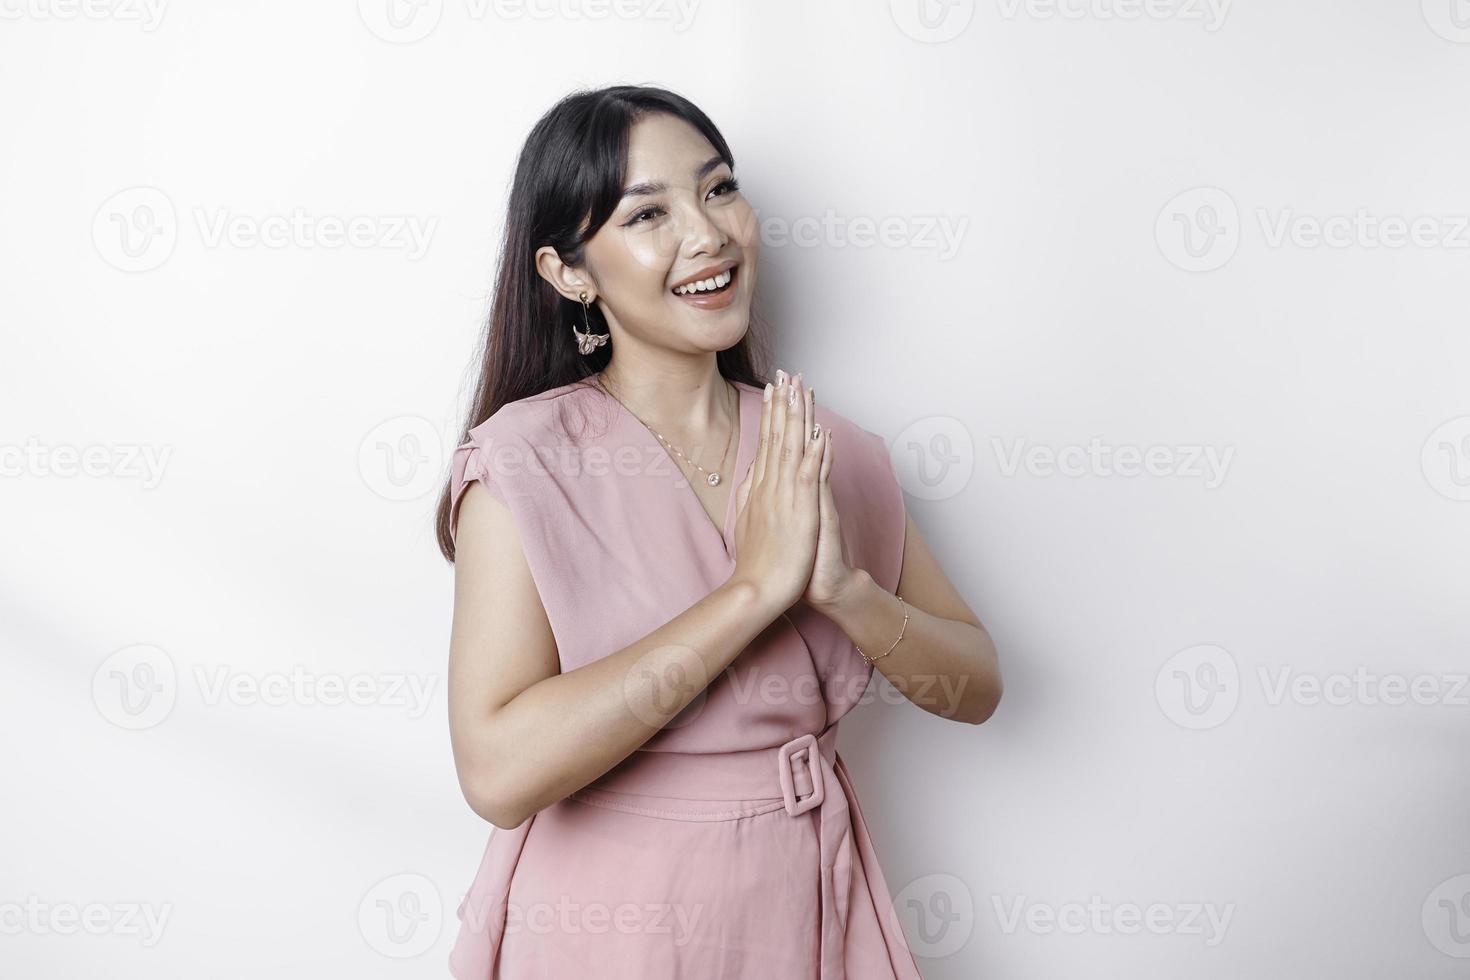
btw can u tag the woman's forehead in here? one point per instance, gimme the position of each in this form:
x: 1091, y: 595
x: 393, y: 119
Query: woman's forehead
x: 665, y: 149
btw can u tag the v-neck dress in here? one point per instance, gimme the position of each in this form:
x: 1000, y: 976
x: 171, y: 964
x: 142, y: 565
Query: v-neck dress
x: 730, y: 846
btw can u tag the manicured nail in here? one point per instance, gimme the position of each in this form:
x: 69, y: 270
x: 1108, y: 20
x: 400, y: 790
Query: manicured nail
x: 767, y: 395
x: 780, y: 378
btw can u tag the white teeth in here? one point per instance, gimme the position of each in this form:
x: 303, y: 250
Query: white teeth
x: 704, y: 285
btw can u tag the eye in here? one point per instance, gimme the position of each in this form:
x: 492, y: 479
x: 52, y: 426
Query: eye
x: 727, y: 186
x: 645, y: 214
x: 723, y: 188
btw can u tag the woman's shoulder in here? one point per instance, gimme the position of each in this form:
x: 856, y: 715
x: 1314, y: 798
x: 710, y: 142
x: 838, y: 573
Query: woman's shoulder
x: 532, y: 417
x: 508, y: 447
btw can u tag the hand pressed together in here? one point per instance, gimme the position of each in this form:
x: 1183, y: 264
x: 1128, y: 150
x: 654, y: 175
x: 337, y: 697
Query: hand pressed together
x: 788, y: 540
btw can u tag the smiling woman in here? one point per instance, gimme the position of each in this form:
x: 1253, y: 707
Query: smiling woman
x: 666, y: 570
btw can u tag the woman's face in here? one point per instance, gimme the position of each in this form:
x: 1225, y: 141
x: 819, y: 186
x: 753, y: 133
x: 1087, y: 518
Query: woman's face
x: 683, y: 220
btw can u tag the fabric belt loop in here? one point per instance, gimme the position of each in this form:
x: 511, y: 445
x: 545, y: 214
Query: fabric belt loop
x: 817, y: 754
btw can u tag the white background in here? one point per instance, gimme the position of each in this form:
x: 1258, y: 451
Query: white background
x: 1132, y: 191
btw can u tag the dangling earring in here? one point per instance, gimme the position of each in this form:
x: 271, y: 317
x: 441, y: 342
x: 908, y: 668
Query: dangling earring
x: 589, y: 341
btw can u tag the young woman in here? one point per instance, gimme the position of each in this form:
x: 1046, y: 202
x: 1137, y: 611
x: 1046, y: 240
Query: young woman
x: 672, y: 578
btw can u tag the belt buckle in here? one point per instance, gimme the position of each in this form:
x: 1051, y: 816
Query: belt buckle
x: 814, y: 765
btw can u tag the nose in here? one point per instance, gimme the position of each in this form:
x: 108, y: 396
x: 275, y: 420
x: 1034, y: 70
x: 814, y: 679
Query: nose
x: 702, y: 234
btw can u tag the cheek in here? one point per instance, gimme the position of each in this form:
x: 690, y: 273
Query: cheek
x: 646, y: 261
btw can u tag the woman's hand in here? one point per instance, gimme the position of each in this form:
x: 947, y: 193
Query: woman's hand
x: 831, y: 574
x: 780, y: 505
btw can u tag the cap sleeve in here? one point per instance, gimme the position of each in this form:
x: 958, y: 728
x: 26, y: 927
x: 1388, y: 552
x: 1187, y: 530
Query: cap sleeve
x: 470, y: 463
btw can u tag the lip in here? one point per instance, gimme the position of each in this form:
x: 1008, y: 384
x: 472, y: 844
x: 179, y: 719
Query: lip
x: 706, y: 273
x: 713, y: 301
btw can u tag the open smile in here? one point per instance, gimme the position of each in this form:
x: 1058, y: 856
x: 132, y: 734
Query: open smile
x: 713, y: 293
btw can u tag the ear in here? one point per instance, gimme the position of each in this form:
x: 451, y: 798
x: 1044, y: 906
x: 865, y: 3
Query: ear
x: 565, y: 279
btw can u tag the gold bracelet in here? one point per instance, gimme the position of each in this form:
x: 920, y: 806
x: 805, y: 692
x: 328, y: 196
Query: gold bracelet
x: 895, y: 642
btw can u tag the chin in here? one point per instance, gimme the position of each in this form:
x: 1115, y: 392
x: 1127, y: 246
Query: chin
x: 714, y: 335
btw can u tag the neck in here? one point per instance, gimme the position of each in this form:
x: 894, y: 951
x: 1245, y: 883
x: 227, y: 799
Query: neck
x: 678, y: 396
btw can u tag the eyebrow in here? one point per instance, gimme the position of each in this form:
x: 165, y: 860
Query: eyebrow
x: 658, y: 187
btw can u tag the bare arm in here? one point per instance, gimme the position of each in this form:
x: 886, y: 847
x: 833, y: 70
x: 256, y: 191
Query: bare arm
x: 524, y: 734
x: 946, y: 662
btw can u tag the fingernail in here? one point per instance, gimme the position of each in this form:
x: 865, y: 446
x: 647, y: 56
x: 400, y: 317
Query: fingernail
x: 780, y: 378
x: 767, y: 395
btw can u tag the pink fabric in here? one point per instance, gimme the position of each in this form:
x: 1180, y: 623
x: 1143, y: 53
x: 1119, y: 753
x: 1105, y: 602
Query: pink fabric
x: 731, y: 845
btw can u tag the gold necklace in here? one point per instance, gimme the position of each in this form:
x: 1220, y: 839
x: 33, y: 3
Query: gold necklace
x: 713, y: 479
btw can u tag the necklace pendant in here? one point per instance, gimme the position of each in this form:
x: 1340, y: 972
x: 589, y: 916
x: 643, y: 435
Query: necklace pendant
x: 713, y: 479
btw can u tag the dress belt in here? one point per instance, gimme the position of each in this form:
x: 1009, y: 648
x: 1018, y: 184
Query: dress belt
x: 799, y: 776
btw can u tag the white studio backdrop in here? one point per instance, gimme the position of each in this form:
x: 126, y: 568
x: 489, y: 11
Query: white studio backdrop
x: 1160, y: 305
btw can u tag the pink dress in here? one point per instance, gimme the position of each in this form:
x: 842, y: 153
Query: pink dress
x: 731, y: 845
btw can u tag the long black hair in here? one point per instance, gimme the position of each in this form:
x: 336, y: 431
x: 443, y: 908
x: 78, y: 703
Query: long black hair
x: 571, y: 170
